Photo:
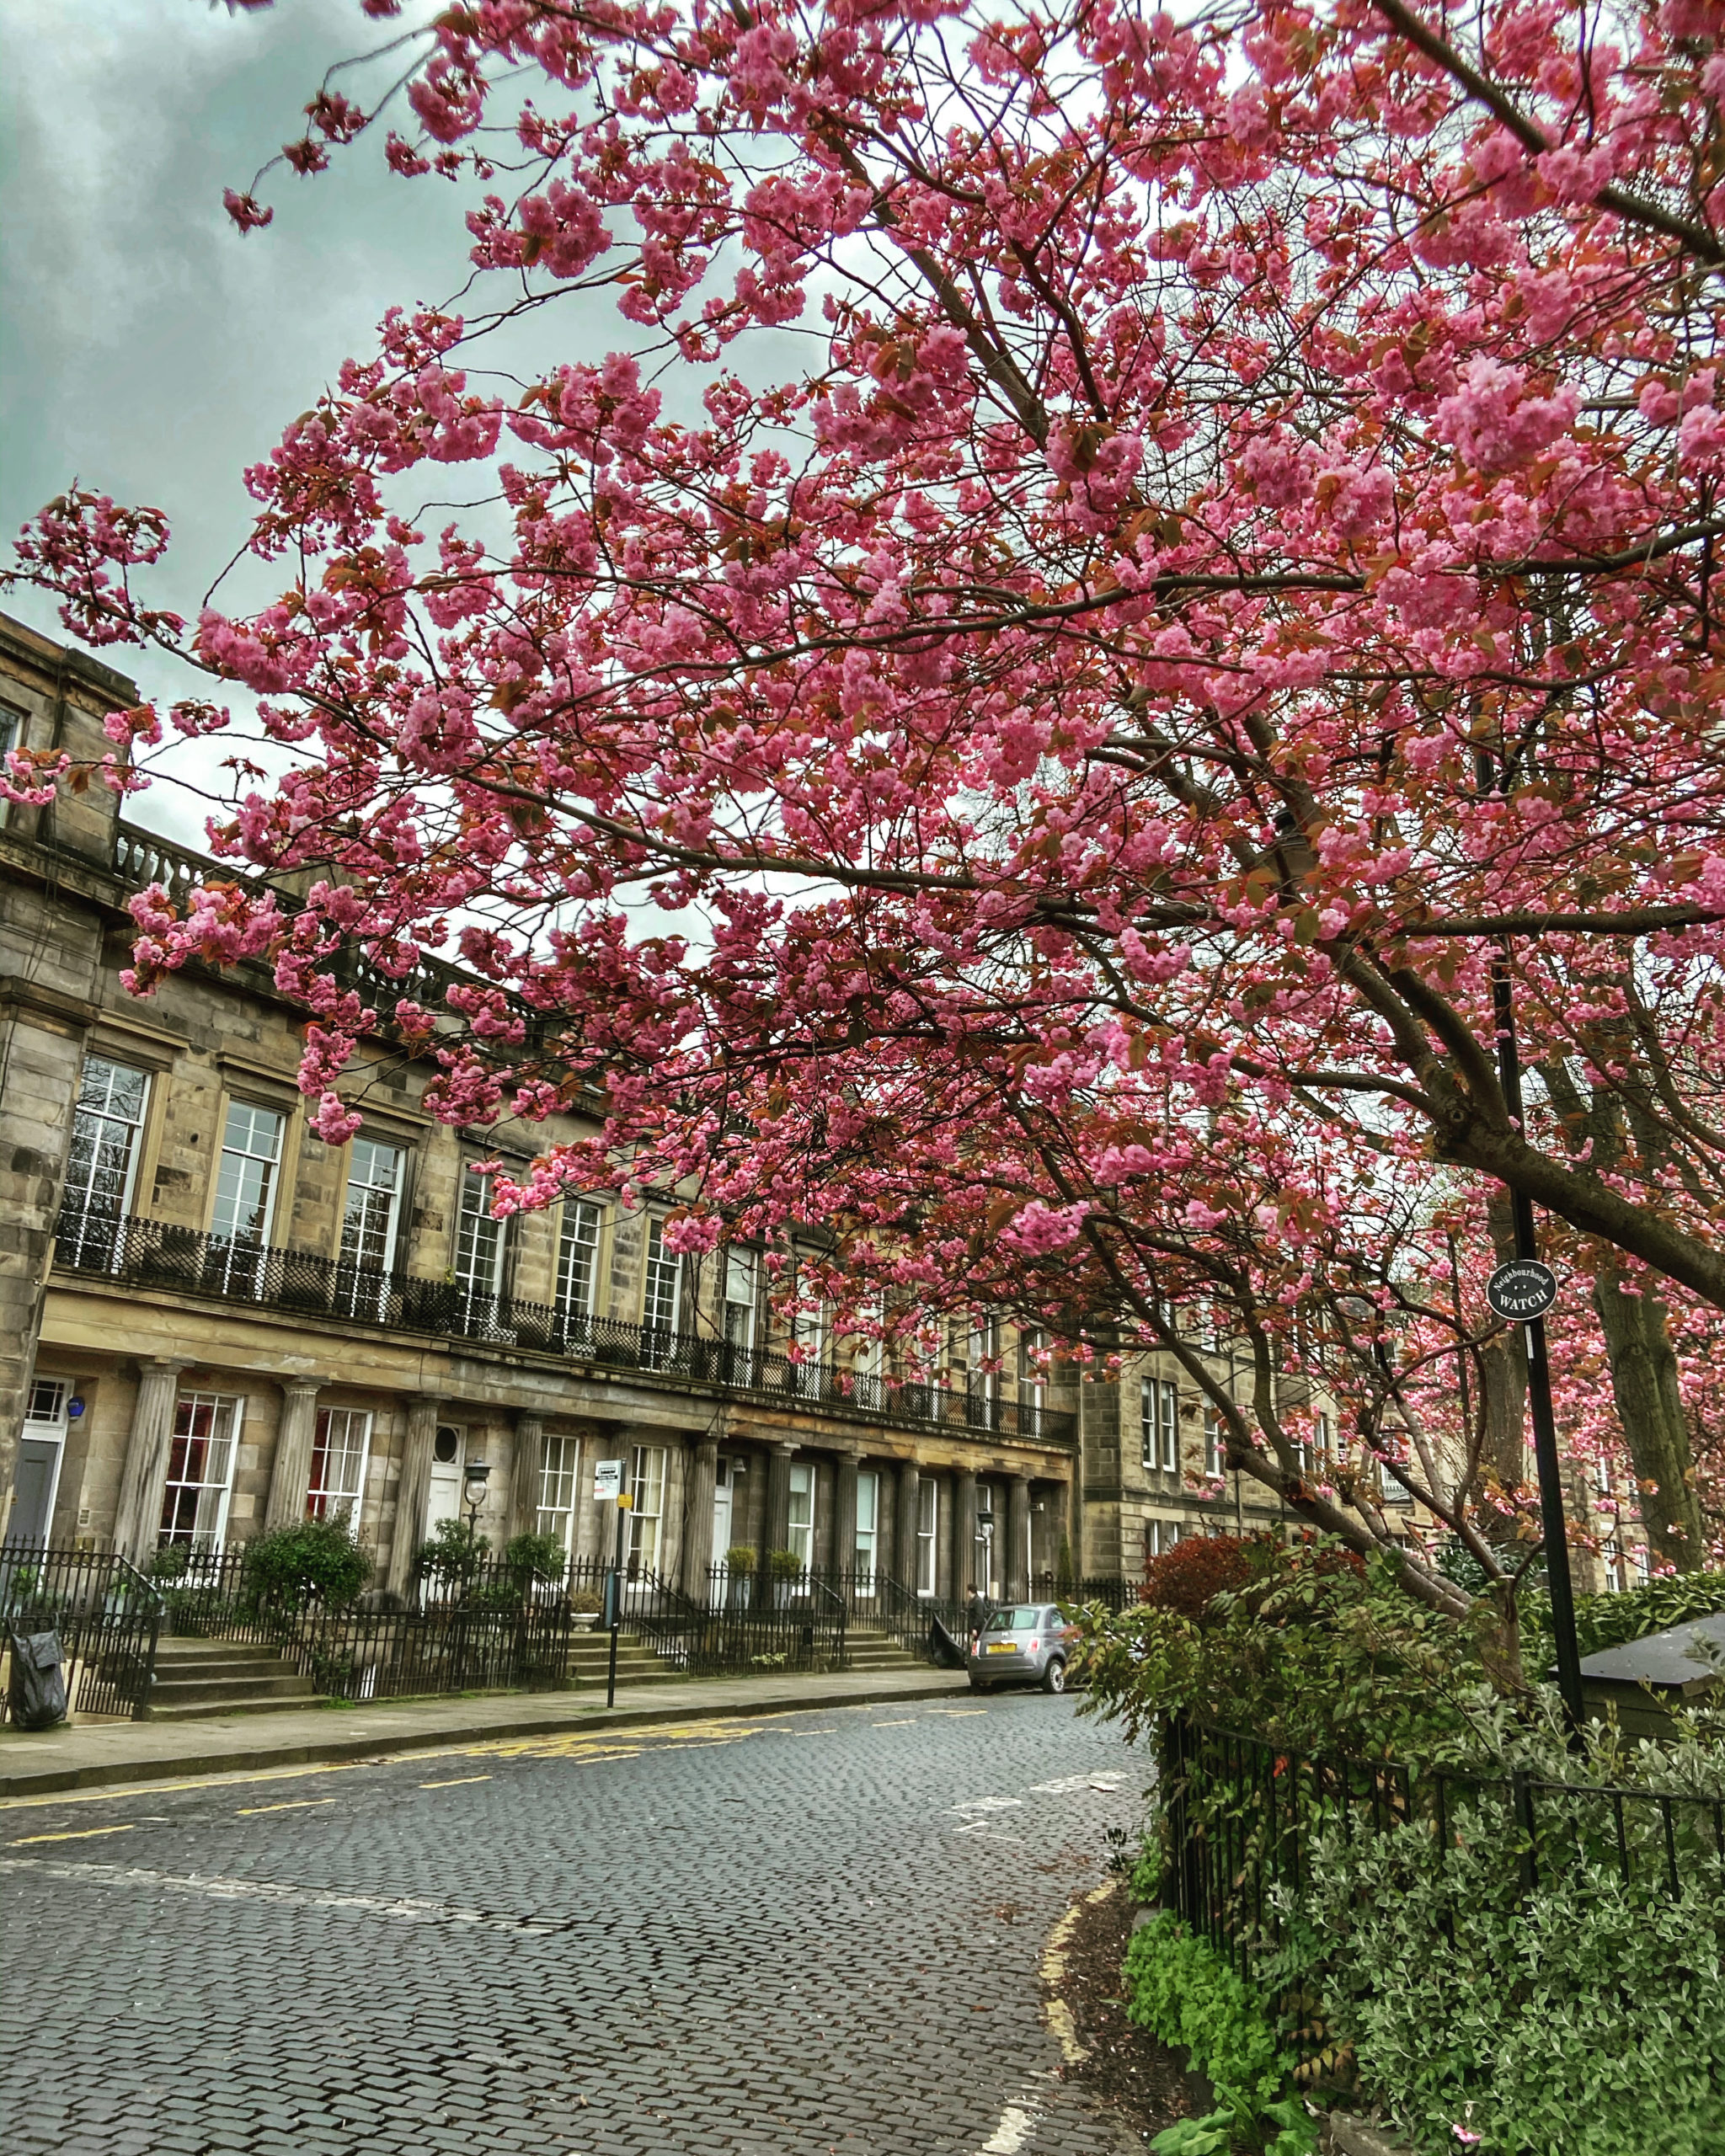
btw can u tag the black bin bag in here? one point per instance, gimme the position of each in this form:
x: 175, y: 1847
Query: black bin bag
x: 36, y: 1695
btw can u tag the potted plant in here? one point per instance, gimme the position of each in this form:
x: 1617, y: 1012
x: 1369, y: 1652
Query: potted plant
x: 584, y: 1606
x: 741, y: 1561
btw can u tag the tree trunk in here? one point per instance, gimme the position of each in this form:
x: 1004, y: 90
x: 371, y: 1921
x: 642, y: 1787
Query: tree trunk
x: 1650, y: 1407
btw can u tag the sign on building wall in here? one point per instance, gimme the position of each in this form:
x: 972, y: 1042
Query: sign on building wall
x: 607, y: 1480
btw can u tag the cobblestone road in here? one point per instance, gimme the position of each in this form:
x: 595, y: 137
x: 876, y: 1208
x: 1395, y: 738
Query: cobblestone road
x: 813, y: 1935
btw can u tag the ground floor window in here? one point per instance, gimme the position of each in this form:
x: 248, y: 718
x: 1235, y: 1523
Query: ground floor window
x: 1160, y: 1536
x: 927, y: 1524
x: 201, y: 1470
x: 646, y: 1517
x: 339, y: 1454
x: 868, y: 1530
x: 799, y: 1532
x: 560, y: 1472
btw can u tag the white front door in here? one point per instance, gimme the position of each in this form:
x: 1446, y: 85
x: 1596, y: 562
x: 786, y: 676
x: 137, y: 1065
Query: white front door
x: 723, y: 1492
x: 443, y: 1500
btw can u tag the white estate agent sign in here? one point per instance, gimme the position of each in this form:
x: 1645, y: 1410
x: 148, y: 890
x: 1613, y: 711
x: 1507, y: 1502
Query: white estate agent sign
x: 607, y: 1480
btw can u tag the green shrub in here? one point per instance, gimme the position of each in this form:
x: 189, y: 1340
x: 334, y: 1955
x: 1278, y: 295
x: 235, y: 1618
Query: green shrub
x: 1586, y: 2019
x: 530, y: 1557
x: 1180, y: 1988
x: 172, y: 1561
x: 586, y: 1602
x: 319, y: 1557
x: 784, y: 1565
x: 1313, y: 1651
x: 741, y: 1557
x: 456, y: 1552
x: 1609, y: 1621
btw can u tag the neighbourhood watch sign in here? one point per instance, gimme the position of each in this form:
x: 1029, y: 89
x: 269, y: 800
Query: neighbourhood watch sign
x: 1523, y: 1290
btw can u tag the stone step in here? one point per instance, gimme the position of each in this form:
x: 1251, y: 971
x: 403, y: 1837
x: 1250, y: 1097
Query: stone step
x: 197, y: 1677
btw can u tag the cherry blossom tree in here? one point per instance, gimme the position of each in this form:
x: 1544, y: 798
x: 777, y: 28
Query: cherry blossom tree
x: 1222, y: 584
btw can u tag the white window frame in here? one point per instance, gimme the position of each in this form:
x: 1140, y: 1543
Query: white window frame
x: 208, y: 1534
x: 12, y: 736
x: 928, y: 1534
x: 578, y: 1238
x: 474, y: 1225
x: 560, y: 1489
x: 800, y: 1533
x: 259, y: 1112
x: 660, y: 1268
x: 1032, y: 1385
x: 326, y: 1503
x: 92, y: 1222
x: 1215, y: 1445
x: 353, y: 1245
x: 866, y: 1556
x: 1168, y: 1423
x: 1146, y: 1422
x: 646, y: 1479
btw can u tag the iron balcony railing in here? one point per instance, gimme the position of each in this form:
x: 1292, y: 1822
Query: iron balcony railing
x: 147, y: 1254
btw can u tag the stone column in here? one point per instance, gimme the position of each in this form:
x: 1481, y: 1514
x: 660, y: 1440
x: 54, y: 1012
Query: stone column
x: 290, y: 1476
x: 702, y: 1472
x: 776, y: 1526
x: 1016, y: 1571
x: 904, y: 1550
x: 413, y: 1492
x: 523, y: 1475
x: 965, y: 1533
x: 138, y: 1521
x: 844, y: 1512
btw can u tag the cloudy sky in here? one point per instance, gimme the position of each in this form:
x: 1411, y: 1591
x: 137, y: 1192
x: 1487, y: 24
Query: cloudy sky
x: 147, y: 350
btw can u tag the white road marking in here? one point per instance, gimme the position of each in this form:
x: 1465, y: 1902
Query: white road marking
x: 1068, y: 1785
x: 405, y: 1909
x: 1010, y: 2136
x: 988, y: 1804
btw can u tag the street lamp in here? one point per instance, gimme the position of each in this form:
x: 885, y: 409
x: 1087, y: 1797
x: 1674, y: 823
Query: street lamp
x: 476, y: 1474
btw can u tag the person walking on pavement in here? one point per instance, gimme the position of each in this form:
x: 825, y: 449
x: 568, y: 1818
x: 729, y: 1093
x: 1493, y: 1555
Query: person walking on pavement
x: 976, y: 1608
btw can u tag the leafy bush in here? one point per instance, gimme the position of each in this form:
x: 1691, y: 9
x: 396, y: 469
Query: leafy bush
x: 501, y: 1596
x: 530, y: 1557
x: 586, y: 1602
x: 1609, y: 1621
x: 1313, y: 1651
x: 1188, y: 1577
x: 784, y: 1565
x: 456, y: 1553
x: 1586, y: 2017
x: 172, y: 1561
x: 741, y: 1557
x: 1180, y: 1988
x: 319, y: 1557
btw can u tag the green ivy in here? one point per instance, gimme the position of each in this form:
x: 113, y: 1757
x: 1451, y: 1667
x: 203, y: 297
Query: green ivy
x: 1180, y: 1988
x: 1584, y: 2019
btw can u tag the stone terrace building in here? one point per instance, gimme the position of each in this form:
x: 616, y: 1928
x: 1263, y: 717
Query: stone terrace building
x: 211, y: 1323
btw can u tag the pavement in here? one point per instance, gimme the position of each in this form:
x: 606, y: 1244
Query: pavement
x: 85, y: 1754
x: 815, y: 1934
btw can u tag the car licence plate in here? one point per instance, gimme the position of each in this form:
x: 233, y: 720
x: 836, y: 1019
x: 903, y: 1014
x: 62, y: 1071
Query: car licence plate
x: 1002, y: 1646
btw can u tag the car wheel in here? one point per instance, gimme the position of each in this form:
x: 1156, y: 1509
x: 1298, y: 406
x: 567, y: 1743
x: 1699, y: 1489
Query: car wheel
x: 1053, y: 1677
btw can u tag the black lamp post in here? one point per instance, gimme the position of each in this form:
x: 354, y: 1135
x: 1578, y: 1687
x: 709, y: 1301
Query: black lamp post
x: 476, y: 1474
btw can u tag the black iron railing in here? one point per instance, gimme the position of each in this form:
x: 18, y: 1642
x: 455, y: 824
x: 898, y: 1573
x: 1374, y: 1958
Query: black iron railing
x: 1108, y: 1589
x: 1240, y: 1818
x: 107, y: 1616
x: 148, y: 1254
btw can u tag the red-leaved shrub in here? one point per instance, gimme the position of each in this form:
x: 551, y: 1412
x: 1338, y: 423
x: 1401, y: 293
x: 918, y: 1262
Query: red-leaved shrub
x: 1186, y: 1577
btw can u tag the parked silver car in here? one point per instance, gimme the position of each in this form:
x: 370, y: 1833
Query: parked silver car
x: 1022, y: 1643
